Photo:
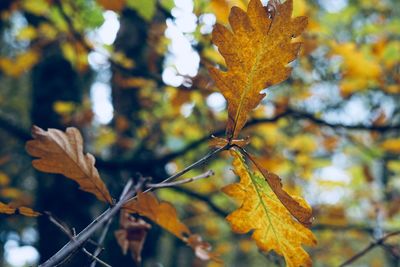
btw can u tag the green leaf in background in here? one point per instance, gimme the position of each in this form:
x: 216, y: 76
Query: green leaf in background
x: 145, y: 8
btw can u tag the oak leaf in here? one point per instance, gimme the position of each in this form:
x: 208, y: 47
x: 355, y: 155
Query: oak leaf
x: 257, y: 52
x: 10, y: 209
x: 162, y: 213
x: 302, y: 214
x: 165, y: 215
x: 262, y: 212
x: 62, y: 153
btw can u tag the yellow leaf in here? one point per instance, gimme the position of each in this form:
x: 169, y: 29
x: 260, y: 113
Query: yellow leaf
x: 28, y: 33
x: 64, y: 107
x: 256, y: 54
x: 37, y: 7
x: 260, y: 211
x: 4, y: 179
x: 221, y: 8
x: 11, y: 193
x: 62, y: 153
x: 21, y: 63
x: 391, y: 145
x: 360, y: 71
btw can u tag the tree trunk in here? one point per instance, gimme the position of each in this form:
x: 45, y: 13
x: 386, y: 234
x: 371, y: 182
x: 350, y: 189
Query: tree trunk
x: 54, y: 79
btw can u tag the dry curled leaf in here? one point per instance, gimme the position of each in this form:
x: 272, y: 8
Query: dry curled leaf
x: 256, y: 52
x: 131, y: 235
x: 10, y: 209
x: 62, y: 153
x: 260, y: 211
x: 302, y: 214
x: 165, y: 215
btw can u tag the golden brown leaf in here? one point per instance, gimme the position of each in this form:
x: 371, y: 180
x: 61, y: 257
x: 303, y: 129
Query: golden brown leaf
x: 165, y: 215
x: 28, y: 212
x: 256, y: 53
x: 62, y: 153
x: 260, y: 211
x: 162, y: 213
x: 10, y: 209
x: 6, y: 209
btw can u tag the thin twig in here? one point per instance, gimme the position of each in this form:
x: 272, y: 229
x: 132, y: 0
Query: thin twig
x: 184, y: 181
x: 94, y: 258
x: 86, y: 233
x: 60, y: 225
x: 99, y: 247
x: 127, y: 195
x: 188, y: 168
x: 369, y: 248
x: 197, y: 163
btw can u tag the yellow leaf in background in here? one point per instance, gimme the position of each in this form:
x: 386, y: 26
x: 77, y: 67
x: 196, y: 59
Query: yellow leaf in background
x: 62, y: 153
x: 256, y: 53
x: 394, y: 166
x: 64, y: 107
x: 122, y: 59
x: 303, y: 143
x: 221, y: 8
x: 262, y: 212
x: 21, y: 63
x: 27, y: 34
x: 391, y: 145
x: 37, y: 7
x: 48, y: 31
x: 4, y: 179
x: 360, y: 71
x: 132, y: 82
x: 299, y: 8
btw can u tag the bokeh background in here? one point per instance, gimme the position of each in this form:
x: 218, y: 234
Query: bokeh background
x: 131, y: 75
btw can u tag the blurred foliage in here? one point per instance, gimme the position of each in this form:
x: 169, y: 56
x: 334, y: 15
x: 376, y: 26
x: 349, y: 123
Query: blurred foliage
x: 331, y: 131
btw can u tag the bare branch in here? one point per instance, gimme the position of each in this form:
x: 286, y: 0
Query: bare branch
x: 94, y: 258
x: 369, y: 248
x: 86, y: 233
x: 184, y: 181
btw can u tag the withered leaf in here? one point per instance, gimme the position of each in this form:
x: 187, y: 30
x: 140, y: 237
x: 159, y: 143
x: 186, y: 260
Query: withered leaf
x: 256, y: 52
x: 62, y: 153
x: 260, y: 211
x: 10, y: 209
x: 162, y: 213
x: 131, y: 235
x: 165, y: 215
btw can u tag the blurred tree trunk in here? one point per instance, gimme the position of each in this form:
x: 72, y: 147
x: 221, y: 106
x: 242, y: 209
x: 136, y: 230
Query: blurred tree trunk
x: 53, y: 80
x: 132, y: 42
